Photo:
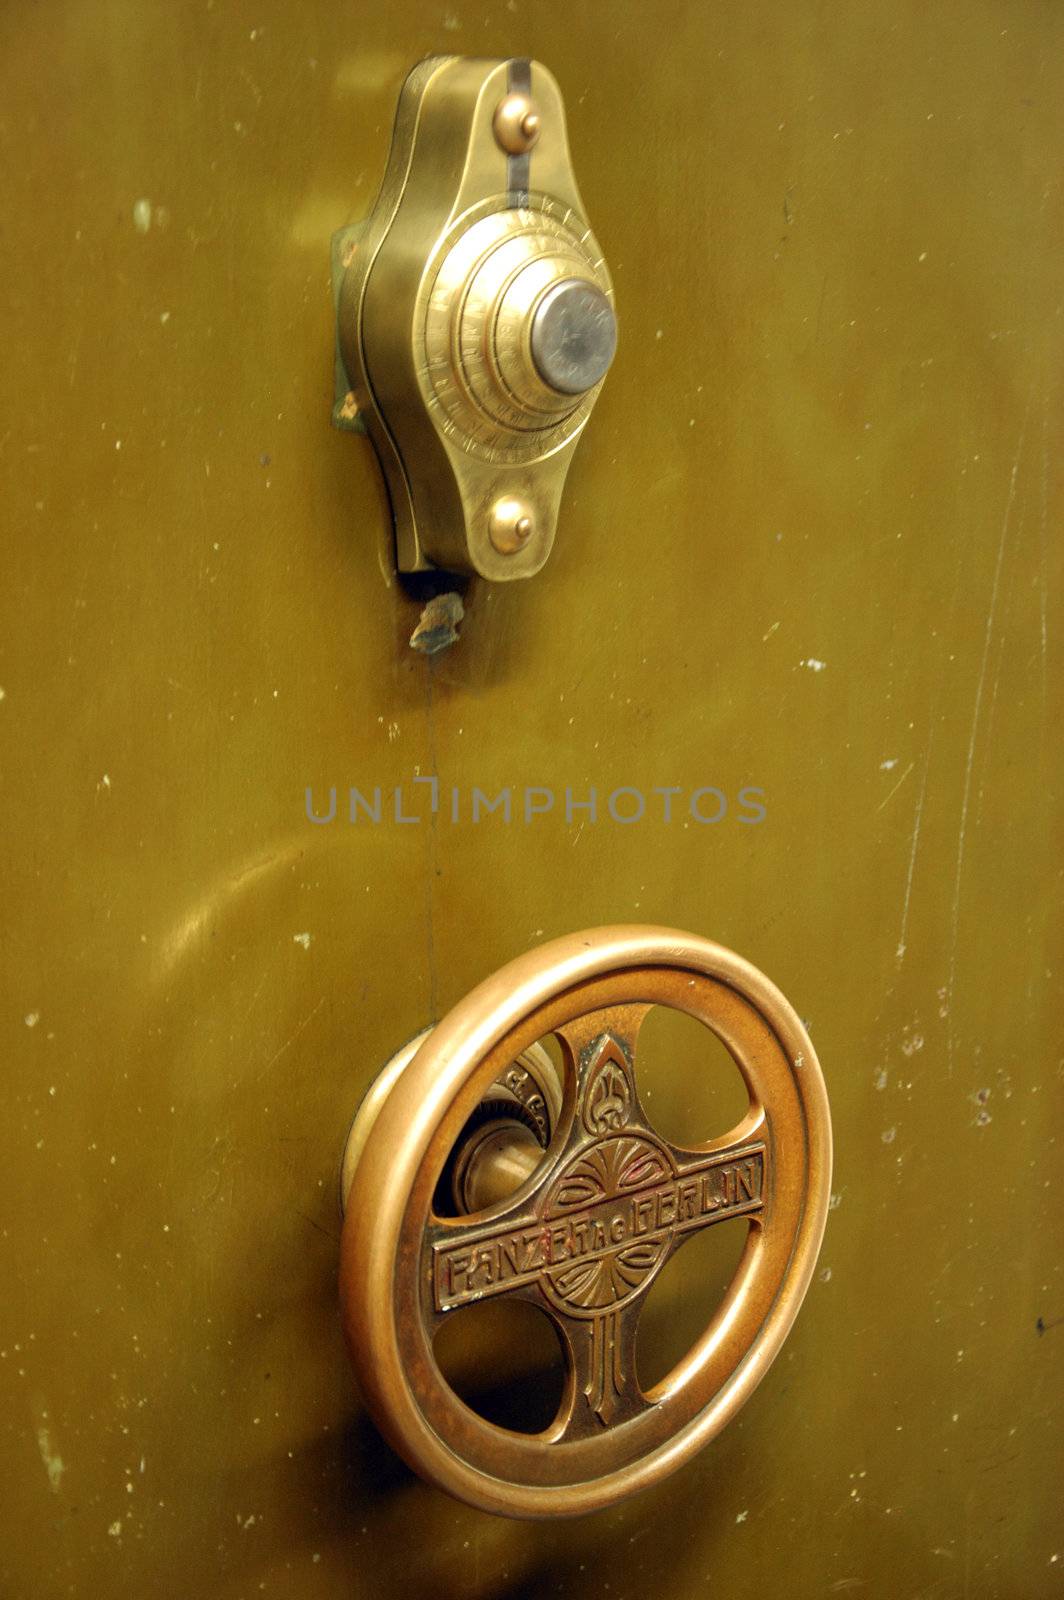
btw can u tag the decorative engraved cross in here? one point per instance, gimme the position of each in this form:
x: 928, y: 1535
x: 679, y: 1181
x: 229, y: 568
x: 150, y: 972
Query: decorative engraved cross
x: 602, y: 1216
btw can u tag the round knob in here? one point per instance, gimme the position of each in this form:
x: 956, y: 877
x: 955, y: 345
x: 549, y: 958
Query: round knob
x: 573, y: 336
x: 599, y: 1207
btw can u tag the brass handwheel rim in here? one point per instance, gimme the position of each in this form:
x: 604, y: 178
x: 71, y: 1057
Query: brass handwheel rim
x: 402, y: 1270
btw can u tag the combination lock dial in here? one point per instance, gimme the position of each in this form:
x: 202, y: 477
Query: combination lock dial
x: 475, y: 317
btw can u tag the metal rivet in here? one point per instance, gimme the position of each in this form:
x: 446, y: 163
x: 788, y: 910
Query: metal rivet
x: 516, y: 124
x: 510, y: 526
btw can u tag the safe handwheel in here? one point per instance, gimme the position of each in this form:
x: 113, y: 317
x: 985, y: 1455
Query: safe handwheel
x: 456, y: 1194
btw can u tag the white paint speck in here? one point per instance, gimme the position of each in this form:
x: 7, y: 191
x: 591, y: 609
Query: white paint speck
x: 303, y: 939
x: 115, y: 1529
x: 164, y: 317
x: 32, y: 1018
x: 889, y: 1135
x: 813, y: 664
x: 888, y: 766
x: 742, y: 1516
x: 825, y: 1275
x: 909, y: 1047
x: 142, y: 215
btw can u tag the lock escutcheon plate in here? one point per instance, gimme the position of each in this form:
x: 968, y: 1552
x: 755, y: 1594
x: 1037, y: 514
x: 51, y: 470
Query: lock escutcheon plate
x: 475, y: 319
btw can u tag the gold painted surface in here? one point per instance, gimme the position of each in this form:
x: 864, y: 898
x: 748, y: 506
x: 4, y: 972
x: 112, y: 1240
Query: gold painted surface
x: 810, y: 543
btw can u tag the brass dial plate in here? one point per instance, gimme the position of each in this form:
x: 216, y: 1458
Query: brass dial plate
x: 478, y: 366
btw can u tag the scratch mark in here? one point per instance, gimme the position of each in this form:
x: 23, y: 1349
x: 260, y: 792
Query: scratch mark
x: 328, y: 1232
x: 904, y: 929
x: 977, y: 709
x: 74, y: 349
x: 255, y: 996
x: 897, y: 786
x: 1043, y: 585
x: 988, y: 735
x: 307, y: 1020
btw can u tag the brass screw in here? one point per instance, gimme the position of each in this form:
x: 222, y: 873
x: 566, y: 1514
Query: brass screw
x: 510, y: 525
x: 516, y: 124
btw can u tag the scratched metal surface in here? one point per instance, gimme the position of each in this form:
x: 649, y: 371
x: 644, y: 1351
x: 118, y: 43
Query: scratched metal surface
x: 811, y: 543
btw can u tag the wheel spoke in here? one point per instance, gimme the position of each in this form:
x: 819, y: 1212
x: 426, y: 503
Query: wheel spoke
x: 749, y: 1130
x: 602, y: 1387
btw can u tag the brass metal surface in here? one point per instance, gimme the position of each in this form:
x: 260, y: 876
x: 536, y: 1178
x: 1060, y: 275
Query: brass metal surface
x: 809, y: 543
x: 592, y: 1225
x: 474, y: 378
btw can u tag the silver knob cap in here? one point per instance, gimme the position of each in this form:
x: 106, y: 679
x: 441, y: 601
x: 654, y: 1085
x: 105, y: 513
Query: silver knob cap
x: 574, y: 336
